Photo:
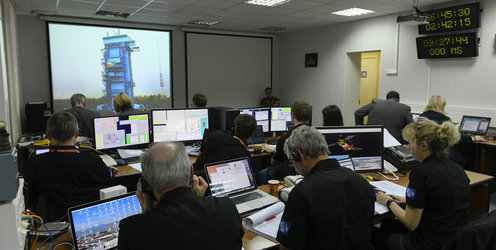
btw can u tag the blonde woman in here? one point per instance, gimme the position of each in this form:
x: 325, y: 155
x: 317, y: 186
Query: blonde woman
x: 438, y: 194
x: 435, y: 110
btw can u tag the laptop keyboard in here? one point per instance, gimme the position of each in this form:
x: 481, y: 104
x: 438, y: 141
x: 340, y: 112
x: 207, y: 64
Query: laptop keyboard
x: 246, y: 197
x: 134, y: 159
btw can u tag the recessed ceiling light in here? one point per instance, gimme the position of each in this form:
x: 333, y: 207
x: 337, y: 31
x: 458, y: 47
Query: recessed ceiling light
x: 204, y: 22
x: 112, y: 13
x: 270, y: 3
x: 353, y: 12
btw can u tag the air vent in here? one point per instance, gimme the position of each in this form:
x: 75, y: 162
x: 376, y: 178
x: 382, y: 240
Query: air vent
x: 204, y: 22
x: 112, y: 13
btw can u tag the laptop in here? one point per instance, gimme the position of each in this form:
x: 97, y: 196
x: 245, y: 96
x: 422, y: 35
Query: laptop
x: 234, y: 179
x: 474, y: 125
x: 256, y: 138
x: 95, y: 225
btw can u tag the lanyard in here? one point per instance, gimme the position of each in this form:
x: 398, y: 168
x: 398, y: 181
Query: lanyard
x: 63, y: 150
x: 244, y: 145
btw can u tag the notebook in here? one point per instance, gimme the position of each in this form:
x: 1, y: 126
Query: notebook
x: 95, y: 225
x: 474, y: 125
x: 234, y: 179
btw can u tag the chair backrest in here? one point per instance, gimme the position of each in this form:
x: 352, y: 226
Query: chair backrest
x: 480, y: 235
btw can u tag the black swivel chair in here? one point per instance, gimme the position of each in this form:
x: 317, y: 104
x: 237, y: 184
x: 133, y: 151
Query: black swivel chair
x: 477, y: 236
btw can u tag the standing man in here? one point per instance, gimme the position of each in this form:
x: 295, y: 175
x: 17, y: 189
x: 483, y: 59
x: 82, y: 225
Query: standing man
x: 182, y: 218
x: 83, y: 115
x: 390, y: 113
x: 199, y: 101
x: 269, y: 100
x: 332, y: 207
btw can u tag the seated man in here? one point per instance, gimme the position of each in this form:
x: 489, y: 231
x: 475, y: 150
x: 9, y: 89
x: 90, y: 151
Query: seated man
x: 390, y: 113
x: 199, y: 101
x: 332, y: 207
x: 269, y: 100
x: 65, y: 176
x: 301, y: 112
x: 83, y: 115
x: 180, y: 219
x: 220, y: 146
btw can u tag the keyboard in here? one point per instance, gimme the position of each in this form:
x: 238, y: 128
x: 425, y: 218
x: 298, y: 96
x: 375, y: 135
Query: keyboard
x: 133, y: 159
x: 246, y: 197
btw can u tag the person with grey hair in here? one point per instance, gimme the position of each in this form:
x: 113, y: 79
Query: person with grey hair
x: 181, y: 218
x: 83, y: 115
x: 65, y: 176
x: 332, y: 207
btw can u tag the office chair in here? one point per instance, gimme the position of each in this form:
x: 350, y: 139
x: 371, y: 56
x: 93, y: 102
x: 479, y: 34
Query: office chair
x: 477, y: 236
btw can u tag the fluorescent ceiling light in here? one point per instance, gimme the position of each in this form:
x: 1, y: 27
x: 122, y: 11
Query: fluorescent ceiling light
x: 204, y: 22
x: 270, y: 3
x: 353, y: 12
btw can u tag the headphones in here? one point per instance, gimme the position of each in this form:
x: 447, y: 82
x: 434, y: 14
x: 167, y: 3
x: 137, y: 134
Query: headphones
x: 145, y: 188
x: 294, y: 155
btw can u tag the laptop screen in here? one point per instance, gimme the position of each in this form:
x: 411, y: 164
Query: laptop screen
x: 475, y: 125
x: 362, y: 144
x: 230, y: 177
x: 96, y: 225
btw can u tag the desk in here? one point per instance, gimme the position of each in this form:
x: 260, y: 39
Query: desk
x: 485, y: 159
x: 480, y: 187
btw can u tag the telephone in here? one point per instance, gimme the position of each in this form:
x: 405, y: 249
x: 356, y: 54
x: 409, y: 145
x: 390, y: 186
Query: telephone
x: 289, y: 182
x: 389, y: 169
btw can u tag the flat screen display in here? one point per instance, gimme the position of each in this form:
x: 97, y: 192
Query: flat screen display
x: 179, y: 124
x: 260, y: 114
x: 119, y: 131
x: 474, y: 125
x: 101, y: 62
x: 363, y: 145
x: 280, y: 118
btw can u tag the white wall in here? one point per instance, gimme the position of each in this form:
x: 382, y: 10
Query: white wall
x: 466, y: 84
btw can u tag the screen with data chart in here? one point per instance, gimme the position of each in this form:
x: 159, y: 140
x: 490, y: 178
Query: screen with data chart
x: 96, y: 225
x: 121, y: 131
x: 230, y: 177
x: 280, y: 118
x: 179, y: 124
x: 474, y: 125
x: 260, y: 114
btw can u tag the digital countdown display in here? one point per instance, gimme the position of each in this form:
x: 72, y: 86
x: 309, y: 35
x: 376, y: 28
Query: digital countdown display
x: 447, y: 46
x: 453, y: 18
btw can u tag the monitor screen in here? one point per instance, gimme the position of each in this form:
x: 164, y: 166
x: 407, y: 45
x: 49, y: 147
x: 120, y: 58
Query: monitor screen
x: 280, y: 118
x: 475, y: 125
x: 96, y: 225
x: 103, y: 61
x: 121, y: 130
x: 179, y: 124
x: 260, y: 114
x: 230, y: 177
x: 362, y: 144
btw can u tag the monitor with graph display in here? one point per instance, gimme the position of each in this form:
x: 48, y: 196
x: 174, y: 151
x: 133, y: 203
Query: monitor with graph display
x: 179, y: 124
x: 119, y: 131
x: 260, y: 114
x: 362, y: 144
x: 280, y: 118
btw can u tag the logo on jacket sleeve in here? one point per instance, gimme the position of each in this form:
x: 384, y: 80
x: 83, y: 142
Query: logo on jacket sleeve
x: 410, y: 193
x: 284, y: 227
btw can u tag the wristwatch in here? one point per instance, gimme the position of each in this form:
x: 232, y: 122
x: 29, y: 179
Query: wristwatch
x: 388, y: 203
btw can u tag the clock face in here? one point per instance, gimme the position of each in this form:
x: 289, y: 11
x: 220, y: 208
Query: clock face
x: 447, y: 46
x: 453, y: 18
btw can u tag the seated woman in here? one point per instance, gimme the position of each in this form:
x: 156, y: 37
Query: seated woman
x: 438, y: 194
x: 332, y: 116
x: 123, y: 105
x: 435, y: 110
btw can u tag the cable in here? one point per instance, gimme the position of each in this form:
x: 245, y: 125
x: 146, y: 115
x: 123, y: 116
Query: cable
x: 61, y: 218
x: 394, y: 178
x: 49, y: 232
x: 52, y: 240
x: 99, y: 152
x: 64, y: 242
x: 33, y: 215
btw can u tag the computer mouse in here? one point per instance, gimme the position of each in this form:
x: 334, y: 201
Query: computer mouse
x: 121, y: 162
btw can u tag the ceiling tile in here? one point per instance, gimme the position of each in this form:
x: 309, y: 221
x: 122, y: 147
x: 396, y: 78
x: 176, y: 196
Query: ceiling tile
x: 216, y: 4
x: 300, y: 5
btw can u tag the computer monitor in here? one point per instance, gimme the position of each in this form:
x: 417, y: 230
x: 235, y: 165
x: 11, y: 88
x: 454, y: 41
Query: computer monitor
x: 179, y: 124
x: 474, y: 125
x: 260, y: 114
x: 362, y: 144
x: 280, y: 118
x: 118, y: 131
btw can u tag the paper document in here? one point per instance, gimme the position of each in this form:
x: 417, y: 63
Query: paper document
x: 389, y: 140
x: 379, y: 208
x: 389, y: 188
x: 129, y: 153
x: 136, y: 166
x: 266, y: 221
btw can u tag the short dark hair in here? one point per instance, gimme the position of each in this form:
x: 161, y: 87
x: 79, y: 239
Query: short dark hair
x: 62, y: 126
x: 302, y: 111
x: 244, y: 126
x: 268, y: 88
x: 332, y: 116
x: 200, y: 100
x: 78, y: 99
x: 393, y: 95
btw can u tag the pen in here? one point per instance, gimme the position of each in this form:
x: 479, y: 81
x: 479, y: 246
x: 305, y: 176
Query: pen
x: 271, y: 218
